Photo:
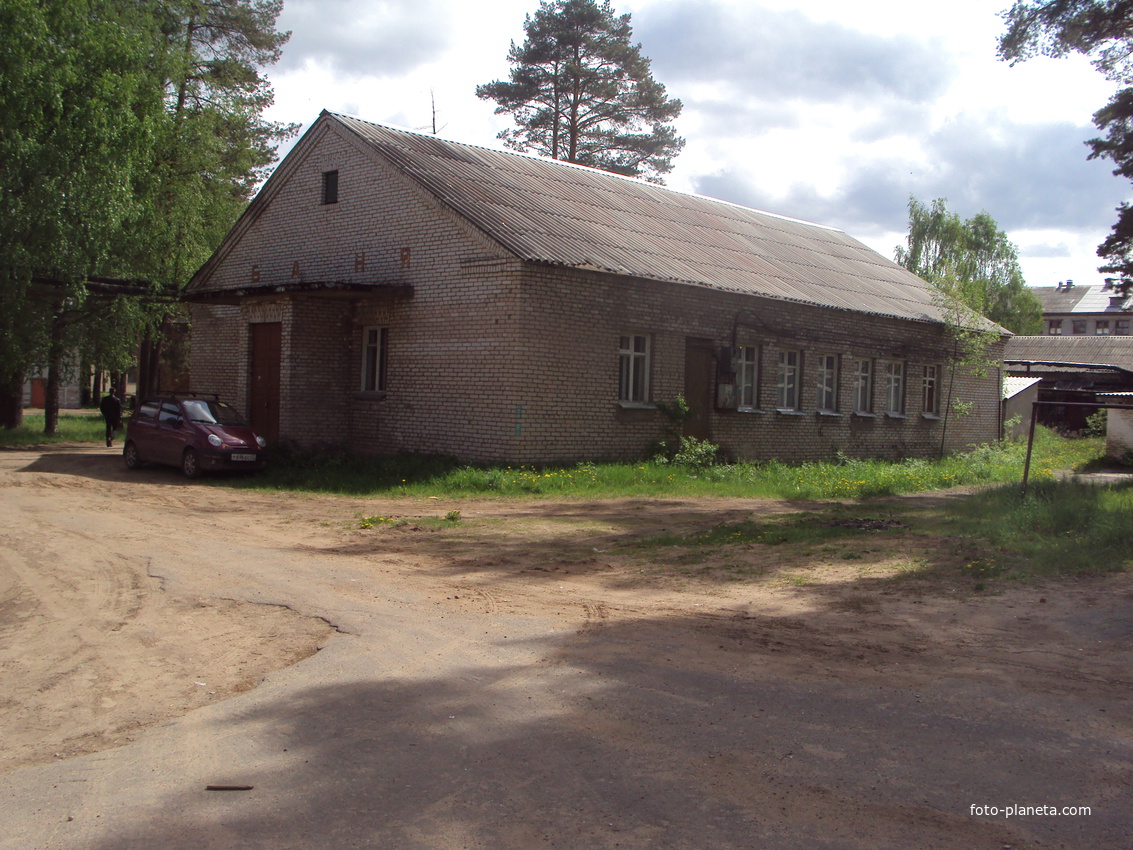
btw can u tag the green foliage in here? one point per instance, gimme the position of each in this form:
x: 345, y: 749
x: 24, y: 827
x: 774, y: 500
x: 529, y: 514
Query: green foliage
x: 1103, y: 31
x: 1096, y: 423
x: 580, y: 91
x: 696, y: 454
x: 78, y: 115
x: 844, y: 478
x: 971, y: 263
x: 131, y: 139
x: 1061, y: 526
x: 82, y: 428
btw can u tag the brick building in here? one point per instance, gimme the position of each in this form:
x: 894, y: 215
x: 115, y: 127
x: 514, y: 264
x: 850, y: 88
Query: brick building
x: 388, y: 291
x: 1074, y: 310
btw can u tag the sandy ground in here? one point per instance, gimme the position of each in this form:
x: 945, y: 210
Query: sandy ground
x: 527, y: 677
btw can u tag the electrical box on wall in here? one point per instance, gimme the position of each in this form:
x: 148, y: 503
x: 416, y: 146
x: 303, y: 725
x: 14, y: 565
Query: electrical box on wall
x: 726, y: 396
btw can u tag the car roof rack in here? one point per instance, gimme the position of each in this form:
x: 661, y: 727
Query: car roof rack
x: 185, y: 394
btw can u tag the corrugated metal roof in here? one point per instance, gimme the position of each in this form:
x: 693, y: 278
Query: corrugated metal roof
x: 1079, y: 299
x: 1013, y: 386
x: 1100, y: 350
x: 552, y: 212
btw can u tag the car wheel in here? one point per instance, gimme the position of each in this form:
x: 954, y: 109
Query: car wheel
x: 130, y: 455
x: 190, y: 464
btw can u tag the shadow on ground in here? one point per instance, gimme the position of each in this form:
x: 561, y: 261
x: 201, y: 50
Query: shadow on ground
x: 652, y: 734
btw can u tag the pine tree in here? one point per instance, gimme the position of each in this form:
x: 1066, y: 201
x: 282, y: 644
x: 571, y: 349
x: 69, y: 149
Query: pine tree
x: 1102, y: 30
x: 580, y: 91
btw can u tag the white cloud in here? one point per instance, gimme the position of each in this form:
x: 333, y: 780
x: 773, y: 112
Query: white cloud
x: 830, y: 111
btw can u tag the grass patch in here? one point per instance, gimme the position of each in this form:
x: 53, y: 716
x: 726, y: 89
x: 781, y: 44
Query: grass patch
x: 977, y: 543
x: 842, y: 478
x: 1062, y: 527
x: 73, y: 428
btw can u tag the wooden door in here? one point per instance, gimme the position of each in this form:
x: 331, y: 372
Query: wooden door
x: 263, y: 394
x: 700, y: 372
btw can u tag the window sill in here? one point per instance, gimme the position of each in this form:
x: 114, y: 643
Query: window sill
x: 864, y: 414
x: 889, y: 415
x: 785, y: 411
x: 931, y: 417
x: 637, y: 405
x: 833, y: 414
x: 750, y: 410
x: 370, y: 396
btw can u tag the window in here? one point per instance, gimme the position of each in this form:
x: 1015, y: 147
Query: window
x: 787, y: 388
x: 748, y: 376
x: 1054, y: 327
x: 633, y: 368
x: 895, y: 388
x: 375, y: 344
x: 330, y: 187
x: 1121, y: 327
x: 170, y: 413
x: 1101, y: 327
x: 826, y: 383
x: 930, y: 391
x: 1079, y: 326
x: 863, y: 385
x: 147, y: 411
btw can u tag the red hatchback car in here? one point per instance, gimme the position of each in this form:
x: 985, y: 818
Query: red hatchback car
x: 194, y: 431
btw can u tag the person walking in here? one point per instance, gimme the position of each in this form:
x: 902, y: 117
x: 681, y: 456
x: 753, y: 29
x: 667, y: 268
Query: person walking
x: 111, y: 409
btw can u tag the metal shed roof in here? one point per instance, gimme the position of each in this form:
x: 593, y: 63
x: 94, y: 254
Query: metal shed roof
x: 1116, y: 351
x: 545, y: 211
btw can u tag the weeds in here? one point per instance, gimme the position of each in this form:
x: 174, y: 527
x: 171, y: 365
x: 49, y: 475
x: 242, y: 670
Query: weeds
x: 843, y: 478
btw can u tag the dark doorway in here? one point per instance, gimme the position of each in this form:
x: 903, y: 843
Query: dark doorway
x: 700, y: 372
x: 263, y: 395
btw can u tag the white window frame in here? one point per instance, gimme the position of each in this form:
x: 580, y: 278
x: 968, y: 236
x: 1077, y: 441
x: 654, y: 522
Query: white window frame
x: 894, y: 388
x: 826, y: 383
x: 930, y: 389
x: 789, y: 373
x: 634, y: 361
x: 747, y: 377
x: 375, y: 352
x: 863, y: 385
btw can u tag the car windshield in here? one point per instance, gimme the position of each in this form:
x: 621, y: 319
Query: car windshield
x: 212, y: 413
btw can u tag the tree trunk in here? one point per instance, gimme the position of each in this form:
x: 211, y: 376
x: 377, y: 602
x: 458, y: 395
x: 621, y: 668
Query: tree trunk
x: 84, y: 385
x: 12, y: 402
x: 54, y: 370
x: 149, y: 363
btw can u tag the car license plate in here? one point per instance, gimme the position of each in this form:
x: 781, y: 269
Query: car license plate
x: 239, y: 457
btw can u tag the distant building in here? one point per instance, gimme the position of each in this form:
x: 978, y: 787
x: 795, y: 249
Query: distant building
x: 1071, y: 310
x: 1074, y: 370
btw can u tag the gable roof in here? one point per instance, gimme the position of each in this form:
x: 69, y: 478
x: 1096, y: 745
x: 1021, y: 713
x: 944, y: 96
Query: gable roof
x: 544, y: 211
x: 560, y: 214
x: 1080, y: 299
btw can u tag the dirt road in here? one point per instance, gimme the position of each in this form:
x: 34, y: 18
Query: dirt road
x: 523, y: 678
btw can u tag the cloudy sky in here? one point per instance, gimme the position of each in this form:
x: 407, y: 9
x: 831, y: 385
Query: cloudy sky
x: 823, y: 110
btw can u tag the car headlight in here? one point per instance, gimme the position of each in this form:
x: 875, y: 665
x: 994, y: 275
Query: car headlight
x: 215, y: 441
x: 261, y: 442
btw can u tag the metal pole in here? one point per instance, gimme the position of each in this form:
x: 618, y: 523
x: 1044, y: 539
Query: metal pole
x: 1030, y: 446
x: 1034, y: 415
